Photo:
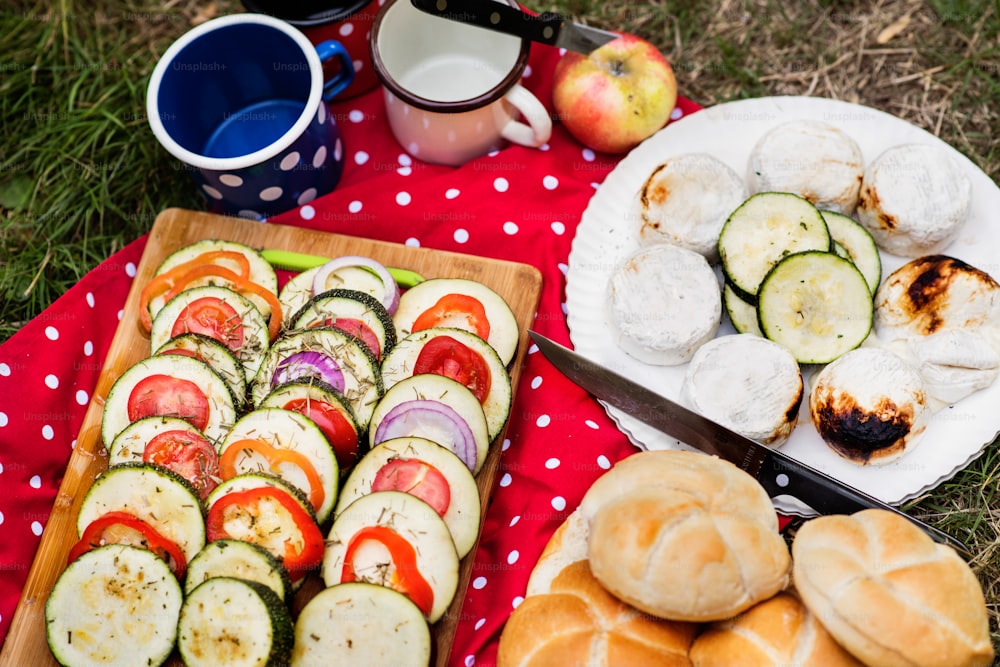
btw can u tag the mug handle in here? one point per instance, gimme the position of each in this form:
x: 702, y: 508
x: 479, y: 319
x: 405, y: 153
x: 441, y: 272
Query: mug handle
x: 333, y: 49
x: 537, y: 128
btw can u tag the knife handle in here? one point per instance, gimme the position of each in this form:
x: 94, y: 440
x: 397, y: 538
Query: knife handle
x: 498, y: 16
x: 781, y: 475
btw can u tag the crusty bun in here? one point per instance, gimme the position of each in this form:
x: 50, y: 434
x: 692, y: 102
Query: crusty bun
x: 566, y: 546
x: 568, y: 618
x: 812, y: 159
x: 889, y: 594
x: 579, y: 623
x: 779, y: 631
x: 914, y: 199
x: 684, y: 536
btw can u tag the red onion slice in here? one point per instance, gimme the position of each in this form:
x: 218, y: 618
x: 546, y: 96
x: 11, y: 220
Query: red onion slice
x: 309, y: 364
x: 390, y: 294
x: 432, y: 420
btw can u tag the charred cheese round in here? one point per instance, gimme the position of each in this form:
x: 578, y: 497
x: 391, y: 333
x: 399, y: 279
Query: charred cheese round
x: 812, y: 159
x: 914, y: 199
x: 945, y: 315
x: 665, y: 303
x: 869, y: 406
x: 686, y: 200
x: 748, y: 384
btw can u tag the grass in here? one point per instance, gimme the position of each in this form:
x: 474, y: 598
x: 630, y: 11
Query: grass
x: 81, y: 175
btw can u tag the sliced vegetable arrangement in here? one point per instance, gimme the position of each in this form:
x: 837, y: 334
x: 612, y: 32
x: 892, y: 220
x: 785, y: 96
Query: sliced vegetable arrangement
x: 333, y: 429
x: 799, y: 276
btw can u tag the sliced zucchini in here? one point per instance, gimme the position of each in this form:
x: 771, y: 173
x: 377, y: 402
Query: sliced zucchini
x: 169, y: 385
x: 358, y: 376
x: 435, y: 560
x: 432, y: 304
x: 115, y: 604
x: 430, y: 472
x: 288, y: 530
x: 435, y: 407
x: 243, y: 560
x: 230, y: 621
x: 158, y: 496
x: 130, y: 444
x: 221, y: 313
x: 261, y: 271
x: 215, y: 354
x: 318, y: 401
x: 297, y: 292
x: 817, y: 305
x: 858, y: 246
x: 743, y: 315
x: 402, y: 362
x: 346, y: 624
x: 286, y: 430
x: 359, y: 313
x: 253, y: 480
x: 764, y: 229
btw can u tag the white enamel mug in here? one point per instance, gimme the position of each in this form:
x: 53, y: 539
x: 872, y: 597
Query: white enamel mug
x: 452, y: 91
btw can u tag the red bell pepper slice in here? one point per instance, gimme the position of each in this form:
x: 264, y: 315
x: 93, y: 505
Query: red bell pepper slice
x: 405, y: 577
x: 267, y: 511
x: 118, y: 527
x: 275, y: 456
x: 167, y: 280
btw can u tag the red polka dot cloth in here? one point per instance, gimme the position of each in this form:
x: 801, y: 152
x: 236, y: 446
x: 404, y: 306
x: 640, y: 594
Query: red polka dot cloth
x: 517, y: 204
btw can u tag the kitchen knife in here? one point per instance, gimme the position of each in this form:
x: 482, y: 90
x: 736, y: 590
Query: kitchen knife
x: 778, y: 473
x: 547, y: 28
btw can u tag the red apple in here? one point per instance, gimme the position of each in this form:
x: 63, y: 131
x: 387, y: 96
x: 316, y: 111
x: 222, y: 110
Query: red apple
x: 616, y: 96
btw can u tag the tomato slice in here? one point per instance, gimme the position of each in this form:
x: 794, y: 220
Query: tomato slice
x: 356, y: 328
x: 451, y: 358
x: 123, y: 528
x: 455, y: 310
x: 165, y: 396
x: 189, y: 455
x: 213, y: 317
x: 275, y: 457
x: 272, y: 519
x: 405, y: 577
x: 337, y: 428
x: 417, y: 478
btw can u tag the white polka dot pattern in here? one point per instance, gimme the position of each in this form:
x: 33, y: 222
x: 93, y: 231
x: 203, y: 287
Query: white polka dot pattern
x: 516, y: 203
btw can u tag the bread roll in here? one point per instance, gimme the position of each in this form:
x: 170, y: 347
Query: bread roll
x: 579, y: 623
x: 684, y: 536
x: 889, y: 594
x: 776, y: 632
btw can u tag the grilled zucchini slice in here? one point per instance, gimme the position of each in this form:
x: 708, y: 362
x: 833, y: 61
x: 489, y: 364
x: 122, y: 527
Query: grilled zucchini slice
x: 816, y: 304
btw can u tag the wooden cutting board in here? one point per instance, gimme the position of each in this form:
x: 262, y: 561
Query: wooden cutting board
x: 519, y: 284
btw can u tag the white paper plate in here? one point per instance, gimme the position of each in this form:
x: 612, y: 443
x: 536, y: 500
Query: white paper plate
x: 608, y: 232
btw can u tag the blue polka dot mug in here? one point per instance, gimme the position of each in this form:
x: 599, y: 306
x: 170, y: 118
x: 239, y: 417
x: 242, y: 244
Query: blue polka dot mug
x: 241, y: 101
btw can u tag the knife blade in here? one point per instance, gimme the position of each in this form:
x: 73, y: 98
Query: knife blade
x: 548, y: 28
x: 778, y: 473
